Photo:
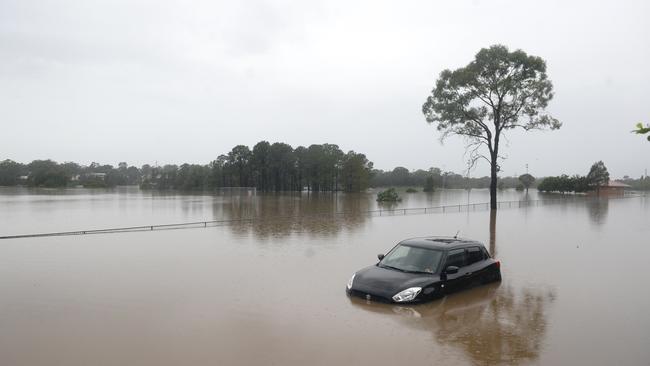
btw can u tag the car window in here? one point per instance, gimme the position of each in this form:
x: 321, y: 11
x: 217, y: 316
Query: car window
x: 456, y: 257
x: 416, y: 259
x: 398, y: 253
x: 485, y: 253
x: 474, y: 255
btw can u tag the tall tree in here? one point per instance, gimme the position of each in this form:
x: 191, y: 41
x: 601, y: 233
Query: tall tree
x: 401, y: 176
x: 10, y: 172
x: 428, y: 184
x: 239, y: 159
x: 281, y: 166
x: 356, y: 171
x: 301, y: 156
x: 598, y: 175
x: 260, y: 163
x: 498, y: 91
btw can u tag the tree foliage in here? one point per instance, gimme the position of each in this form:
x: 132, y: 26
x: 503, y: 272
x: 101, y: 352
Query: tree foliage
x: 526, y: 180
x: 10, y: 172
x: 434, y: 177
x: 564, y: 184
x: 428, y: 184
x: 598, y: 175
x: 389, y: 195
x: 268, y: 167
x: 642, y: 130
x: 497, y: 92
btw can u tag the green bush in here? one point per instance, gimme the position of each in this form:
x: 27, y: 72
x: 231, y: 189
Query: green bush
x: 411, y: 190
x: 389, y: 195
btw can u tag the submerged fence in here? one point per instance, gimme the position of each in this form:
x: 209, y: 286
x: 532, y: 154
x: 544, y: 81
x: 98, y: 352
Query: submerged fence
x: 468, y: 207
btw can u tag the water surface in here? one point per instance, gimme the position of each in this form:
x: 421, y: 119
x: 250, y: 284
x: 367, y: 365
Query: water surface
x: 574, y: 287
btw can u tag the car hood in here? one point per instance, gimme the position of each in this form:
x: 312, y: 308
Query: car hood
x: 387, y: 282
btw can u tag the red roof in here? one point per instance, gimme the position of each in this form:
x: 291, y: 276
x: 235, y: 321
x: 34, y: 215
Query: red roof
x: 616, y: 184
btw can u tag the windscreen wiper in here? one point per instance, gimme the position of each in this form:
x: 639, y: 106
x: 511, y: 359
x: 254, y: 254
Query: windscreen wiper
x: 423, y: 272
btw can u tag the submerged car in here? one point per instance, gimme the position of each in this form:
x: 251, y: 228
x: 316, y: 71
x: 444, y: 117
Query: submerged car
x: 423, y: 269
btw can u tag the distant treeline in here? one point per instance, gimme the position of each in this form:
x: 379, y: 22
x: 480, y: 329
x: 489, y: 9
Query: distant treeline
x: 268, y: 167
x: 48, y: 173
x: 402, y: 177
x: 581, y: 184
x: 641, y: 184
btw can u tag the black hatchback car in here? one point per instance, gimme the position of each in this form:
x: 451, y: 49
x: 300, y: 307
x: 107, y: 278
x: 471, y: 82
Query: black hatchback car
x: 422, y: 269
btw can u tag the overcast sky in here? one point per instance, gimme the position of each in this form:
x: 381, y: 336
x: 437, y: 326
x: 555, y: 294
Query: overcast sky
x: 185, y: 81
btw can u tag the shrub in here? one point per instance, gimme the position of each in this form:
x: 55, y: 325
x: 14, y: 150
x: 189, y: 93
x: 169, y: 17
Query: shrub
x: 389, y: 195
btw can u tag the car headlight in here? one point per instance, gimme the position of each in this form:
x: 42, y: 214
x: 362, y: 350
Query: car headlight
x: 351, y: 280
x: 407, y: 295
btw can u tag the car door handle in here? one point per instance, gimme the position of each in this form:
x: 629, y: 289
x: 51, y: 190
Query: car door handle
x: 468, y: 274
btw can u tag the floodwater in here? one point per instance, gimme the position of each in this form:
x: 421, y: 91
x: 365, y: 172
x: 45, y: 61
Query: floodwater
x: 271, y: 291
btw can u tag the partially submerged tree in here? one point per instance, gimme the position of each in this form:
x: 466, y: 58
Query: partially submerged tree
x: 526, y: 180
x: 428, y: 184
x: 389, y: 195
x: 598, y: 175
x: 497, y: 92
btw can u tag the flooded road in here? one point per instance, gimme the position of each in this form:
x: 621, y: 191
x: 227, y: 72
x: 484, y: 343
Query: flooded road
x: 574, y: 289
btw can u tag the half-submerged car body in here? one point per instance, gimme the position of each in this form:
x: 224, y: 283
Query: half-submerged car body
x: 422, y: 269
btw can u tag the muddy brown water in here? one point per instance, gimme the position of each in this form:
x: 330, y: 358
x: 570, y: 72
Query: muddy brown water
x: 574, y: 290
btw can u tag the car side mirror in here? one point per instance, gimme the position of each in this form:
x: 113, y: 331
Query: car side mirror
x: 451, y: 270
x: 380, y: 256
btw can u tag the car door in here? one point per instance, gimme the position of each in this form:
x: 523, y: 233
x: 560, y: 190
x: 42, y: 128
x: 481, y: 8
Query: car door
x: 455, y: 281
x: 476, y: 266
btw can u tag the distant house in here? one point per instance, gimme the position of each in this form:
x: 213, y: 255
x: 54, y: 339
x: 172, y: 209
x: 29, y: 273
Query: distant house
x: 612, y: 188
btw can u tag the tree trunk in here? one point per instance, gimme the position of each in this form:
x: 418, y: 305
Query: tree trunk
x: 493, y: 183
x: 494, y: 157
x: 493, y: 233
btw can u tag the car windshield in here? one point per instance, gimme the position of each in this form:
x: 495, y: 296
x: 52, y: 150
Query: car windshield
x: 412, y: 259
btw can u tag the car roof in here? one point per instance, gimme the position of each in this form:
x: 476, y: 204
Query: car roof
x: 440, y: 242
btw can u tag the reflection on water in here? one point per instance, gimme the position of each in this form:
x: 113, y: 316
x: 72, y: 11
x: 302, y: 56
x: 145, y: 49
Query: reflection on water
x: 598, y: 207
x: 284, y: 214
x: 32, y: 210
x: 492, y: 324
